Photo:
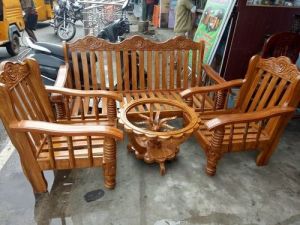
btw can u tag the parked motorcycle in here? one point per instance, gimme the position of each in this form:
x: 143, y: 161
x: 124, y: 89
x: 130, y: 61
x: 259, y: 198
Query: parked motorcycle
x: 63, y: 23
x: 51, y: 56
x: 76, y: 9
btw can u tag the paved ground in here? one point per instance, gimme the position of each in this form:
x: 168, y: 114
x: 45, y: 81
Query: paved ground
x: 240, y: 193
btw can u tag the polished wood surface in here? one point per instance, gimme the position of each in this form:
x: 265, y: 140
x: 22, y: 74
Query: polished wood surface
x: 137, y: 68
x: 282, y: 44
x: 45, y: 142
x: 266, y: 101
x: 151, y: 136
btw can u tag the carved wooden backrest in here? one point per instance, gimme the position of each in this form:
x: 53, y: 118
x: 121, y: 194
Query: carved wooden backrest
x: 134, y: 64
x: 270, y: 82
x: 23, y: 96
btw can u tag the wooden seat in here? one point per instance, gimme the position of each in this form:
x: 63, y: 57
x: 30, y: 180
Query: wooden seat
x: 137, y: 68
x: 48, y: 143
x: 267, y: 99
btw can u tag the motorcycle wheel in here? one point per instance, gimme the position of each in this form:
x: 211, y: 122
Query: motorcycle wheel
x: 66, y: 31
x: 13, y: 47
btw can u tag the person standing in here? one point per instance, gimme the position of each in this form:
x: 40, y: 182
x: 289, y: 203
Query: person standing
x: 149, y: 9
x: 184, y: 17
x: 30, y: 17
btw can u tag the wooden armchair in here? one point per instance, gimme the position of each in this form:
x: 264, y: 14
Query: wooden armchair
x: 46, y: 143
x: 267, y: 100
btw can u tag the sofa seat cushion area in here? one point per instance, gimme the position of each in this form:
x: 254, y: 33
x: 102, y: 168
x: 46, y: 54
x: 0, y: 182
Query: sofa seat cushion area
x: 135, y: 95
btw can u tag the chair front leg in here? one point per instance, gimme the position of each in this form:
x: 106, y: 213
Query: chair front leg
x: 109, y: 164
x: 214, y: 152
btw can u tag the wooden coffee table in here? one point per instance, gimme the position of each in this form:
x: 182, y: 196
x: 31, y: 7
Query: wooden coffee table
x: 156, y: 134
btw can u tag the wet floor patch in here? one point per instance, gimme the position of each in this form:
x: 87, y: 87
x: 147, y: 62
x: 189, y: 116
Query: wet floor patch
x: 93, y: 195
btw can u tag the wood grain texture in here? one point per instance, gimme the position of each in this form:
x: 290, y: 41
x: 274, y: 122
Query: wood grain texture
x: 267, y: 100
x: 48, y: 143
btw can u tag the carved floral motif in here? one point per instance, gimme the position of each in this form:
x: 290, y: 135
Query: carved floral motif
x: 281, y: 67
x: 13, y: 73
x: 91, y: 43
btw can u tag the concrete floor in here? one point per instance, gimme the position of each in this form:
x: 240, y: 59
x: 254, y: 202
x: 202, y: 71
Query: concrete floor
x: 240, y: 193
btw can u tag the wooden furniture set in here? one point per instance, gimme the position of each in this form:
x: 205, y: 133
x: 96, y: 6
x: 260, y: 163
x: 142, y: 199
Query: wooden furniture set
x: 155, y: 87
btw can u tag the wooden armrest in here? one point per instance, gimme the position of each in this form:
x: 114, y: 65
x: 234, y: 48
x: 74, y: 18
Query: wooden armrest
x: 247, y: 117
x: 66, y: 130
x: 213, y: 74
x: 213, y: 88
x: 84, y: 93
x: 62, y: 76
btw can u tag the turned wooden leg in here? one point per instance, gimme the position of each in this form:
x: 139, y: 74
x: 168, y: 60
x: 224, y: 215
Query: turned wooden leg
x: 214, y: 152
x: 111, y: 110
x: 109, y: 164
x: 60, y: 110
x: 220, y: 102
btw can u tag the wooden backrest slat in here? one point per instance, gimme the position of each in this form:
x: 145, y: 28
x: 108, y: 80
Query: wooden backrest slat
x: 251, y: 90
x: 133, y: 70
x: 126, y: 71
x: 157, y: 69
x: 259, y: 92
x: 149, y: 70
x: 118, y: 69
x: 171, y: 76
x: 101, y: 70
x: 163, y: 70
x: 278, y: 92
x: 193, y: 72
x: 144, y: 75
x: 110, y: 71
x: 178, y: 69
x: 76, y: 73
x: 32, y: 101
x: 19, y: 110
x: 24, y: 102
x: 268, y: 95
x: 141, y: 71
x: 185, y: 69
x: 86, y: 76
x: 93, y: 71
x: 199, y: 67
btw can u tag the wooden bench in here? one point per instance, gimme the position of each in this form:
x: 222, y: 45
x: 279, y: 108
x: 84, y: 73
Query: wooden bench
x: 137, y: 68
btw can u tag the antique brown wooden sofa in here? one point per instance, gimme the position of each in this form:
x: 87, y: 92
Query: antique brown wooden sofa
x: 138, y: 68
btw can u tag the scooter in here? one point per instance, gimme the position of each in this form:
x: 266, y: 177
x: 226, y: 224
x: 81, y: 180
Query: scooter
x: 49, y: 56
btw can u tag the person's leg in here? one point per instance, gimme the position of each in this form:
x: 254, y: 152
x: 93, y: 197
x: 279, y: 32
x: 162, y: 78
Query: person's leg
x: 150, y: 11
x: 30, y: 33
